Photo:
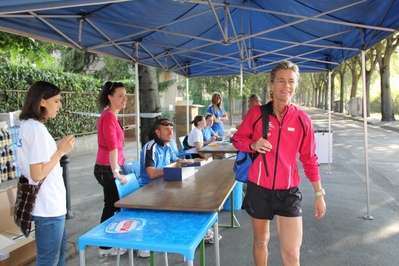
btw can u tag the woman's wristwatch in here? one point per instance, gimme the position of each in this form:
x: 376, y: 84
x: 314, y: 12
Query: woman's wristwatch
x: 116, y: 172
x: 321, y: 192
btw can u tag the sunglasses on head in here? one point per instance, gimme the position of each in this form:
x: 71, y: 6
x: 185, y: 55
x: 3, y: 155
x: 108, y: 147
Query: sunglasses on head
x: 166, y: 124
x: 115, y: 85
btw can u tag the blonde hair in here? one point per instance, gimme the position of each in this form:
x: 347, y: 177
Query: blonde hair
x: 215, y: 104
x: 283, y: 65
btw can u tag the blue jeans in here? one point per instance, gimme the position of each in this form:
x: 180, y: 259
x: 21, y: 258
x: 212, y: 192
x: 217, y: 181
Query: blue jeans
x: 51, y: 241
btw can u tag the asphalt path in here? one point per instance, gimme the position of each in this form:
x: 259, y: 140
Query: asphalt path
x: 357, y: 229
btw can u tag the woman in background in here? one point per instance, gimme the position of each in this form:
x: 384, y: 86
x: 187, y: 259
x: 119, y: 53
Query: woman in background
x: 195, y: 138
x: 207, y: 132
x: 219, y: 114
x: 110, y: 158
x: 38, y: 156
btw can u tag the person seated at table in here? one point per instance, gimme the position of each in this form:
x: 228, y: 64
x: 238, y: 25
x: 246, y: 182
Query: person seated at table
x: 195, y: 139
x: 157, y: 153
x: 207, y: 132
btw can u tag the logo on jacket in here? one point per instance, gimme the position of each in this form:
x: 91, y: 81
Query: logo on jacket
x: 271, y: 126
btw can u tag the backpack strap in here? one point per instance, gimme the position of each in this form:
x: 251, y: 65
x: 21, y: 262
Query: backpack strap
x: 266, y: 109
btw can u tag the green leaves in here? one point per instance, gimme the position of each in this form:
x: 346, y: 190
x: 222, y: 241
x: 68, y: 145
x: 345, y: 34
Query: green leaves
x: 78, y: 94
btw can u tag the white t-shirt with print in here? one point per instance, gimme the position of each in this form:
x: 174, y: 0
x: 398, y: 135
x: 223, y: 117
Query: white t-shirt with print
x: 195, y: 136
x: 36, y: 145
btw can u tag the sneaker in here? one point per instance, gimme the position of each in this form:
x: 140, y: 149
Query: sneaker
x: 212, y: 240
x: 210, y: 237
x: 111, y: 252
x: 143, y: 253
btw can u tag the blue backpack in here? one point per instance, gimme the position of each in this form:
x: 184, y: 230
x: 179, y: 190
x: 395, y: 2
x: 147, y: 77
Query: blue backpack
x: 244, y: 160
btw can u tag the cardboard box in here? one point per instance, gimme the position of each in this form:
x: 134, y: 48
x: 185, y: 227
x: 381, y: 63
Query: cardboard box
x: 174, y: 172
x: 22, y: 250
x: 11, y: 118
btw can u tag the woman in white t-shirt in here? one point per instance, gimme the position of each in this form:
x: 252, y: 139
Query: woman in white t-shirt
x: 195, y: 138
x: 39, y: 157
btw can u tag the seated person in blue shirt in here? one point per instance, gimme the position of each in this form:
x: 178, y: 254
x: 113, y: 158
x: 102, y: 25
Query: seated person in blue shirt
x: 157, y: 153
x: 207, y: 132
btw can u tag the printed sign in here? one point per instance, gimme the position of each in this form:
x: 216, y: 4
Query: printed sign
x: 124, y: 226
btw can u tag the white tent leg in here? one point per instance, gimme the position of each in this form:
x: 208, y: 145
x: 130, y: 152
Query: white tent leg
x: 187, y: 111
x: 366, y: 153
x: 329, y: 123
x: 138, y: 127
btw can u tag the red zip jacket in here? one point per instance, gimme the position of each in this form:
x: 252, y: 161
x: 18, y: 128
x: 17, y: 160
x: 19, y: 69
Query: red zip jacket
x: 293, y: 135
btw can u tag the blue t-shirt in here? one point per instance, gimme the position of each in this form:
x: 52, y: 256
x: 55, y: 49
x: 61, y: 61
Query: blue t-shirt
x: 207, y: 133
x: 155, y: 154
x: 217, y: 127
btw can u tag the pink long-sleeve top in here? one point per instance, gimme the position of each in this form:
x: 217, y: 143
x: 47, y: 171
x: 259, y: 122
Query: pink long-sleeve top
x: 110, y: 136
x: 291, y: 136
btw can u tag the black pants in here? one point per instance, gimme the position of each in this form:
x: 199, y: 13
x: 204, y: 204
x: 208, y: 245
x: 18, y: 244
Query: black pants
x: 105, y: 178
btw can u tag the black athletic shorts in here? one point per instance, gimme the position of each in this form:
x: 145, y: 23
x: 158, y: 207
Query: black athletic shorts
x: 263, y: 203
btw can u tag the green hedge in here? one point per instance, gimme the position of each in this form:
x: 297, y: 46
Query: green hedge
x: 79, y: 94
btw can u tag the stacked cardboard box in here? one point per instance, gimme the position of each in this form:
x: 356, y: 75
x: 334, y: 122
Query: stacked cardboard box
x: 15, y: 249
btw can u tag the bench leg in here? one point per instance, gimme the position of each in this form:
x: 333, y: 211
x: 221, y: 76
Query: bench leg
x: 165, y: 255
x: 216, y: 233
x: 131, y: 263
x: 82, y: 257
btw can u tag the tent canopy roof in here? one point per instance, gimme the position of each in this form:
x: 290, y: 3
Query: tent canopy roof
x: 203, y: 38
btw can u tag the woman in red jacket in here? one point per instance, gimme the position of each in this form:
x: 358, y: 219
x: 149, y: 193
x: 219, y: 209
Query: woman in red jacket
x: 273, y: 177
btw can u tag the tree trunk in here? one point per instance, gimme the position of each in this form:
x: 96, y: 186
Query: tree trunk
x: 342, y: 94
x: 332, y: 90
x: 384, y: 60
x: 244, y: 107
x: 372, y: 58
x: 149, y: 100
x: 355, y: 76
x: 386, y: 95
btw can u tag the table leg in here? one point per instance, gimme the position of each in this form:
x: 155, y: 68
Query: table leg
x: 165, y: 256
x: 82, y: 257
x: 232, y: 215
x: 152, y: 258
x: 216, y: 238
x: 202, y: 253
x: 131, y: 263
x: 190, y: 263
x: 118, y: 257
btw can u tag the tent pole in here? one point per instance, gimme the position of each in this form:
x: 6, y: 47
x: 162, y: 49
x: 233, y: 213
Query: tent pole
x: 138, y: 127
x: 241, y: 79
x: 187, y: 111
x: 366, y: 154
x: 329, y: 124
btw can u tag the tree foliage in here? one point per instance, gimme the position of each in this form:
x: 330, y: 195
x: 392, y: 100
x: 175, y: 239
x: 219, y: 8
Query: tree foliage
x: 15, y: 80
x: 24, y: 50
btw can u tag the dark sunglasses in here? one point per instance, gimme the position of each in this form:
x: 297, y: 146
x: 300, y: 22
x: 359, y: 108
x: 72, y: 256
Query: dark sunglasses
x: 166, y: 124
x: 116, y: 85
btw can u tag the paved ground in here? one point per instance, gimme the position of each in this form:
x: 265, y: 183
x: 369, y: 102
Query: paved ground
x: 342, y: 237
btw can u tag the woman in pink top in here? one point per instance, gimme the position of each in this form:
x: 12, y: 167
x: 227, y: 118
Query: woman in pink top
x: 110, y: 159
